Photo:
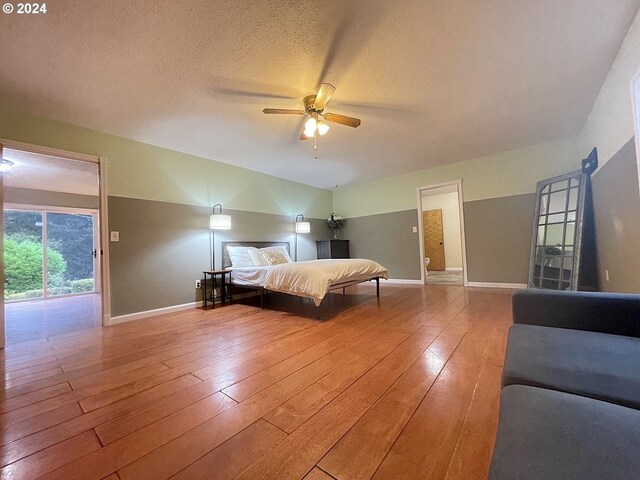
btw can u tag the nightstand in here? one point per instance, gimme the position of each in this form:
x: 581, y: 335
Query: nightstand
x: 332, y: 248
x: 213, y: 274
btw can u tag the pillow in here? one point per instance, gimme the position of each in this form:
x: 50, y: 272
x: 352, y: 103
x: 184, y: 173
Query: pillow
x: 279, y: 248
x: 275, y: 257
x: 257, y: 257
x: 239, y: 256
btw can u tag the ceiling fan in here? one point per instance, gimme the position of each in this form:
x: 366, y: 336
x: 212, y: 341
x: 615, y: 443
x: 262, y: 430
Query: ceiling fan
x: 314, y: 108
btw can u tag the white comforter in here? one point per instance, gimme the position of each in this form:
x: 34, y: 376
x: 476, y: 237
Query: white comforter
x: 313, y: 278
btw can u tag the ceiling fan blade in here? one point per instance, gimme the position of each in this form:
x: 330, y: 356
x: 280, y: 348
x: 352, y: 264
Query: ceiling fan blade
x: 283, y: 111
x: 303, y: 136
x: 323, y: 96
x: 342, y: 119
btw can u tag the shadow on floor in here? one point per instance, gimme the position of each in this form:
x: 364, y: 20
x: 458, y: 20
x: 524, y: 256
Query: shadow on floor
x: 332, y: 305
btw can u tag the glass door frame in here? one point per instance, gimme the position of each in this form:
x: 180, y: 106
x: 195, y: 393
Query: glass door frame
x: 44, y: 210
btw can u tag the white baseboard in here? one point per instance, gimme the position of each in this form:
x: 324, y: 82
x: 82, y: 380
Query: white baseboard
x: 152, y: 313
x: 453, y: 269
x: 497, y: 285
x: 403, y: 281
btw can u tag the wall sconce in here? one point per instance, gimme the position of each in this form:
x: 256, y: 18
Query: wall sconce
x: 217, y: 221
x: 301, y: 227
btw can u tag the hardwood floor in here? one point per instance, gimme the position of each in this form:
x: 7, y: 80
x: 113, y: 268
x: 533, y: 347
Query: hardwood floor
x: 406, y: 386
x: 39, y: 319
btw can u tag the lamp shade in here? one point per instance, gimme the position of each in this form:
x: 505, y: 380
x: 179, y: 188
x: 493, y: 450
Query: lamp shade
x: 303, y: 227
x: 220, y: 222
x: 322, y: 128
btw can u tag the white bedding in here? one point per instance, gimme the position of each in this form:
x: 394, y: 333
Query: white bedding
x: 251, y: 276
x: 311, y: 279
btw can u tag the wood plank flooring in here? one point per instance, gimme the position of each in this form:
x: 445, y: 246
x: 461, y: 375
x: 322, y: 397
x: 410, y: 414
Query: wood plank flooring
x: 30, y: 320
x: 404, y: 386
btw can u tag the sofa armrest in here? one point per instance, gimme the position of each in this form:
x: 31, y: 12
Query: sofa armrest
x: 614, y: 313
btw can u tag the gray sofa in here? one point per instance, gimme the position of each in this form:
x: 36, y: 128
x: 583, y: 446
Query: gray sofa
x: 570, y: 404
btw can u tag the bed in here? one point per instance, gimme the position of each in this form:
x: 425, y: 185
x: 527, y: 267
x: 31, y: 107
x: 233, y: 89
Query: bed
x: 310, y: 279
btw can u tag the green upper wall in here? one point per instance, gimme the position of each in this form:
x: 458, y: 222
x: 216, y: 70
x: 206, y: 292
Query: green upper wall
x: 139, y: 170
x: 510, y: 173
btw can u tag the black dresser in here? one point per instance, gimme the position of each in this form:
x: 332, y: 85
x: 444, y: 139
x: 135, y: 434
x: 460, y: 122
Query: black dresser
x: 332, y: 248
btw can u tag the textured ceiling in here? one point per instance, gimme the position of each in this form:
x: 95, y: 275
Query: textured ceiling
x: 434, y: 81
x: 54, y: 174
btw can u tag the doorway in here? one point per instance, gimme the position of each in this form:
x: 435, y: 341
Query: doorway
x: 441, y: 227
x: 54, y: 270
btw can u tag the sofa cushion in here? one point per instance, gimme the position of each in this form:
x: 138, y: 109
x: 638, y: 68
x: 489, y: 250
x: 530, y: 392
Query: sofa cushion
x: 597, y: 365
x: 548, y: 434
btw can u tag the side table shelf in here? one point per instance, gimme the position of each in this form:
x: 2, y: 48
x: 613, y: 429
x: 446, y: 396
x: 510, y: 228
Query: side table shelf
x: 213, y: 274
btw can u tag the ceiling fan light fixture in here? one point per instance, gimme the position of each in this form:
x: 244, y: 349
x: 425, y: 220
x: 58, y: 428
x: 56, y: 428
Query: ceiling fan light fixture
x: 315, y: 118
x: 322, y: 128
x: 310, y: 126
x: 6, y: 165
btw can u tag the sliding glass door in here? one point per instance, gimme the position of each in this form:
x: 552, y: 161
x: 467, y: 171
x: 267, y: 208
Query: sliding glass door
x: 49, y: 253
x: 70, y: 253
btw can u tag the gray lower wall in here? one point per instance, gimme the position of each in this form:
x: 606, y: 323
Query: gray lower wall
x: 388, y: 239
x: 617, y: 219
x: 164, y: 247
x: 498, y: 238
x: 26, y: 196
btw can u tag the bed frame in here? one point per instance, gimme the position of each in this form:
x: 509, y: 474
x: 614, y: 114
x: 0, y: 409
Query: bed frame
x: 226, y: 263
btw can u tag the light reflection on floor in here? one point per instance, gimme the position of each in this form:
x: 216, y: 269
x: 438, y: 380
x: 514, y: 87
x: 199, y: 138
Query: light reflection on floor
x: 444, y: 278
x: 40, y: 319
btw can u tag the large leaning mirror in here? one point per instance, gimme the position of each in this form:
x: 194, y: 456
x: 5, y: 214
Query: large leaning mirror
x: 561, y: 222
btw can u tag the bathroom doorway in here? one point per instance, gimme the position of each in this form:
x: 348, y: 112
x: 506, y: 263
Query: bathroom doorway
x: 441, y: 232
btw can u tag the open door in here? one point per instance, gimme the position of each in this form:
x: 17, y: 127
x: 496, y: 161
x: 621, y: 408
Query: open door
x: 434, y: 239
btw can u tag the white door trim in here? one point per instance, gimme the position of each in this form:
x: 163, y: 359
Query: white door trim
x: 419, y: 190
x: 104, y: 243
x: 103, y: 217
x: 53, y: 152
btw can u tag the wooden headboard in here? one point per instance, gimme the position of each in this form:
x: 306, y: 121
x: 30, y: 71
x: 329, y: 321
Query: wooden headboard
x: 226, y: 261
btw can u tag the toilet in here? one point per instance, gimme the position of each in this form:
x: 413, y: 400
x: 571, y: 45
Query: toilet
x: 427, y: 261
